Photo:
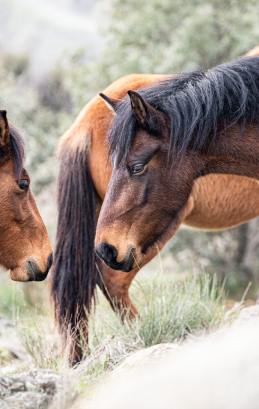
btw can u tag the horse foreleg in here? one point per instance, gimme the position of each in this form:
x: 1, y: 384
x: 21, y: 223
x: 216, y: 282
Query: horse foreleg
x: 115, y: 287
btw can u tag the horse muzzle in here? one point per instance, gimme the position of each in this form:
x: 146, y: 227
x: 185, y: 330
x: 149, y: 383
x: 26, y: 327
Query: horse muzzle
x: 35, y: 272
x: 29, y: 270
x: 108, y: 253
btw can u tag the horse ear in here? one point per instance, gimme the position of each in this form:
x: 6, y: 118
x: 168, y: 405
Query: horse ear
x: 4, y: 128
x: 147, y: 117
x: 110, y: 102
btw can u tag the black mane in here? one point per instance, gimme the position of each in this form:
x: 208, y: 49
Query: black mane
x: 18, y: 148
x: 196, y: 103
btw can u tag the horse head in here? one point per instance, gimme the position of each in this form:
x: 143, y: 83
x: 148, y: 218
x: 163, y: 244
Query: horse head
x: 25, y: 247
x: 162, y: 139
x: 138, y: 211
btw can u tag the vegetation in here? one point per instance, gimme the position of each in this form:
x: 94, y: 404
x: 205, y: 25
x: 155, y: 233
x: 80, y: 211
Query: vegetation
x: 172, y: 309
x: 175, y: 37
x: 169, y: 310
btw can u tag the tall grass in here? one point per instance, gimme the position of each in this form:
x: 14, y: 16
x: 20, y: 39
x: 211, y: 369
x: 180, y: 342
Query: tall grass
x: 169, y: 310
x: 17, y: 298
x: 41, y: 338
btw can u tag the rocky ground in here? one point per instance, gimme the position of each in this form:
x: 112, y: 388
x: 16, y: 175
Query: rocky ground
x: 22, y: 386
x: 36, y: 389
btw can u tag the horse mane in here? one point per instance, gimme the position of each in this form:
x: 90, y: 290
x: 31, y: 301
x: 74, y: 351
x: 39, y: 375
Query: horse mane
x: 197, y: 103
x: 18, y: 148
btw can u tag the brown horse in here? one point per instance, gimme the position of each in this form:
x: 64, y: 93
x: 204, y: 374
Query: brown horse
x: 25, y: 247
x: 215, y: 202
x: 165, y: 137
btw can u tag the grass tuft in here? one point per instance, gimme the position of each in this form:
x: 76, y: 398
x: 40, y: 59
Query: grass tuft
x: 169, y: 310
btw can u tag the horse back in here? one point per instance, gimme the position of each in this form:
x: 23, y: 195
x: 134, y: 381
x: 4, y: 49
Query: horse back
x: 88, y: 132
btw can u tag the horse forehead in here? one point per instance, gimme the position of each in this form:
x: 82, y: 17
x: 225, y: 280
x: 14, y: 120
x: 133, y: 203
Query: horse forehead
x: 144, y: 142
x: 7, y: 166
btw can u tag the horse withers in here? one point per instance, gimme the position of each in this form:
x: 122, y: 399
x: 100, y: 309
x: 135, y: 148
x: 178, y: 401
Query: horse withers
x: 25, y: 247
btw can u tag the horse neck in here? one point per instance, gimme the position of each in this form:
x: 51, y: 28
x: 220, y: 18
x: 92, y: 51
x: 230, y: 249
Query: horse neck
x: 233, y: 151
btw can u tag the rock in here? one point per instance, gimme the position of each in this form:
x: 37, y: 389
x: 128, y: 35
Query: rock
x: 10, y: 344
x: 218, y: 372
x: 250, y: 314
x: 26, y: 400
x: 141, y: 358
x: 238, y: 315
x: 36, y: 389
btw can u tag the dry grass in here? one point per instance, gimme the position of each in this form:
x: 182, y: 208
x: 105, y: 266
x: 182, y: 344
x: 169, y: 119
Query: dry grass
x: 170, y: 311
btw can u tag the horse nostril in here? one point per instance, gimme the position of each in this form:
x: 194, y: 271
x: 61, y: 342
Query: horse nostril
x: 50, y: 261
x: 107, y: 252
x: 35, y: 274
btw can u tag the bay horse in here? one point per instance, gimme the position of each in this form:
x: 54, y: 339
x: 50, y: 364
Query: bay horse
x: 25, y: 247
x: 163, y: 138
x: 215, y: 202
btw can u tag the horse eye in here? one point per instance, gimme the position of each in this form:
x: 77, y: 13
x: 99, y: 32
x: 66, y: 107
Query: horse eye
x: 23, y: 185
x: 137, y: 169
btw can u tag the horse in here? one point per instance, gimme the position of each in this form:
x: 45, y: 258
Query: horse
x: 215, y: 202
x: 25, y: 248
x: 163, y: 138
